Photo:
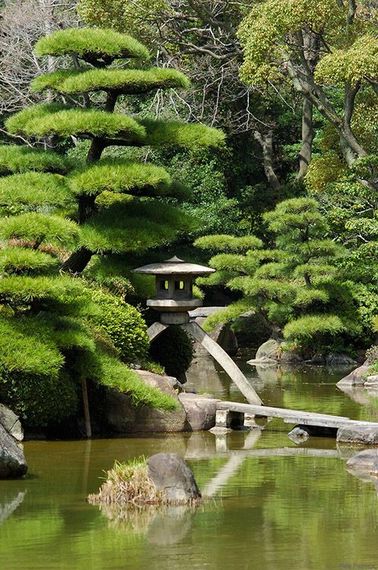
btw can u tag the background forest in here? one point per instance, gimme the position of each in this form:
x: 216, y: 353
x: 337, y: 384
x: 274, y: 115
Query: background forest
x: 239, y: 134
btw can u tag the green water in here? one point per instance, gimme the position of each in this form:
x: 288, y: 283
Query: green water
x: 274, y: 505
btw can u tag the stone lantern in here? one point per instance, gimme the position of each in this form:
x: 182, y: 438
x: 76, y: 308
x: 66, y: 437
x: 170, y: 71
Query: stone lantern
x: 174, y: 288
x: 174, y: 299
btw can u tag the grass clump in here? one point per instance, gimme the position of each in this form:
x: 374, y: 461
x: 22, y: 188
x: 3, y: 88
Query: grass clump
x: 91, y: 44
x: 128, y: 484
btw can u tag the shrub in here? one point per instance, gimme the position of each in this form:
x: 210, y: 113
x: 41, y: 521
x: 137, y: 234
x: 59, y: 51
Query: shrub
x: 124, y: 325
x: 40, y: 401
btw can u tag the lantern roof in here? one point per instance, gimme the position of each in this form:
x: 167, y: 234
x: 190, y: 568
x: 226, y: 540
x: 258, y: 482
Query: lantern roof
x: 174, y: 266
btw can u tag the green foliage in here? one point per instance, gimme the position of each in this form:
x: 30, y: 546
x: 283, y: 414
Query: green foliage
x: 192, y: 135
x: 121, y: 176
x: 133, y: 227
x: 125, y: 81
x: 39, y: 401
x: 137, y: 17
x: 228, y: 243
x: 324, y: 169
x: 17, y: 159
x: 33, y: 191
x: 229, y: 313
x: 91, y: 44
x: 75, y: 122
x: 62, y: 330
x: 173, y: 349
x: 44, y: 293
x: 372, y: 354
x: 18, y: 260
x: 294, y: 286
x: 39, y: 228
x: 357, y: 63
x: 124, y: 325
x: 21, y: 352
x: 309, y: 327
x: 113, y: 374
x: 265, y: 33
x: 18, y: 122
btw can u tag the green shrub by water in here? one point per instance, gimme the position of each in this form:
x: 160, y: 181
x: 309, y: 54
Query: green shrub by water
x: 124, y: 325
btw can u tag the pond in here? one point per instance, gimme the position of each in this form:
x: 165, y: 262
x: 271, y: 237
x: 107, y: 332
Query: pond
x: 274, y: 505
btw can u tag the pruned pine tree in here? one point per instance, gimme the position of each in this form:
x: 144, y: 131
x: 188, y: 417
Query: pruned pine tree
x: 296, y: 286
x: 56, y: 332
x: 55, y: 215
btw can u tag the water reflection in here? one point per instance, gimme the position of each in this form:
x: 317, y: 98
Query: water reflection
x: 270, y: 502
x: 160, y: 525
x: 9, y: 505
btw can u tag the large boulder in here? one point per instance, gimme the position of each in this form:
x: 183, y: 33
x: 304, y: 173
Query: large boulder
x: 11, y: 423
x: 123, y: 417
x: 371, y: 381
x: 367, y: 435
x: 355, y: 378
x: 12, y: 459
x: 200, y: 411
x: 334, y: 359
x: 171, y: 474
x: 269, y: 350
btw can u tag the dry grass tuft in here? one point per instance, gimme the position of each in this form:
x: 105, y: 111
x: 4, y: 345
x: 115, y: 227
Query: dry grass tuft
x: 128, y: 484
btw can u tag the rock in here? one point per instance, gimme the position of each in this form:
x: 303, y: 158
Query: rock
x: 167, y: 384
x: 220, y: 430
x: 269, y: 350
x: 371, y: 381
x: 365, y: 462
x: 123, y: 417
x: 339, y: 360
x: 290, y: 357
x: 11, y: 423
x: 12, y: 460
x: 359, y: 434
x: 356, y: 377
x: 200, y: 411
x: 316, y: 360
x: 171, y: 474
x: 298, y: 435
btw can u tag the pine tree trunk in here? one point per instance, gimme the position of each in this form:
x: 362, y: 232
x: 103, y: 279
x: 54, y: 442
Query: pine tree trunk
x: 77, y: 261
x: 307, y: 139
x: 87, y: 416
